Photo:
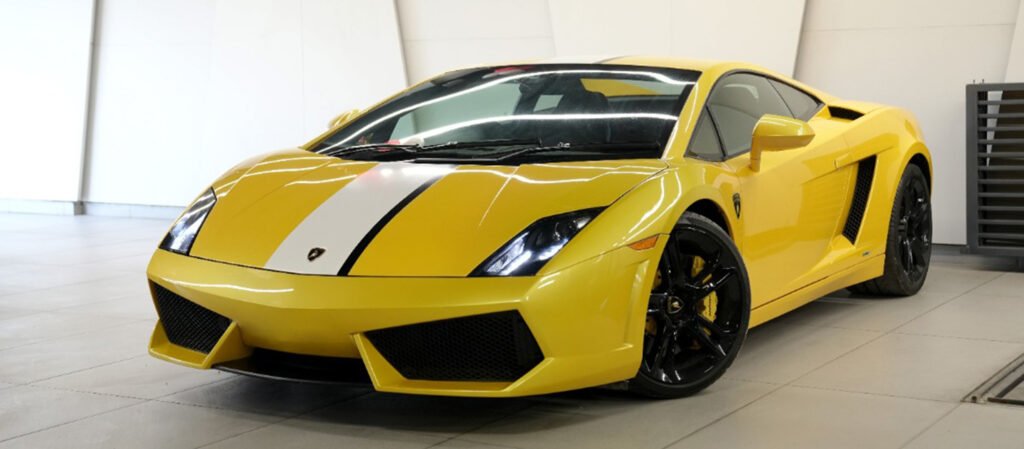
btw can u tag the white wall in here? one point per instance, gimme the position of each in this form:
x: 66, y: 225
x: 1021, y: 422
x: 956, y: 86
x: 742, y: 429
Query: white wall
x: 186, y: 89
x: 918, y: 55
x: 443, y: 34
x: 758, y: 31
x: 44, y: 80
x: 1015, y: 60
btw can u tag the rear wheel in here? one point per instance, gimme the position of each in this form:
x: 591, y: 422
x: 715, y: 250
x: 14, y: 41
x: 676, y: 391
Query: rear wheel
x: 908, y: 248
x: 698, y: 313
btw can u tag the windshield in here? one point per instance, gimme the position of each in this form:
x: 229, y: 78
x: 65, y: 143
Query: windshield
x: 514, y: 114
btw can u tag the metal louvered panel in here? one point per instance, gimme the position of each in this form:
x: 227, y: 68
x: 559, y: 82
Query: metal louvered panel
x: 995, y: 169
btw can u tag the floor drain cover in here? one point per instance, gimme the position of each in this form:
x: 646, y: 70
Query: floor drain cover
x: 1006, y: 387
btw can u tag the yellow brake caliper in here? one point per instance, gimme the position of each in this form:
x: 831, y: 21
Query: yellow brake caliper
x: 707, y: 307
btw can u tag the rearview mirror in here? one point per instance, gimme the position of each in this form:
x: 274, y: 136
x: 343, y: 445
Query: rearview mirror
x: 343, y: 118
x: 777, y: 133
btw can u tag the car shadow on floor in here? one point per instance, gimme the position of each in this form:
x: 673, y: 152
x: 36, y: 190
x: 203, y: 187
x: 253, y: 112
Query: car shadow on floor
x: 344, y: 405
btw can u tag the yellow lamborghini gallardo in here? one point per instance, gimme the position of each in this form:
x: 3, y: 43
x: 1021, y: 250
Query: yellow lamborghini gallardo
x: 539, y: 227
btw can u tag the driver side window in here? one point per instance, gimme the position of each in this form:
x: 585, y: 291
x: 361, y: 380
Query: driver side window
x: 736, y: 103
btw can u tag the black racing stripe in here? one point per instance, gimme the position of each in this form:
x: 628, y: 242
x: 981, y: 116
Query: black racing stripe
x: 358, y: 250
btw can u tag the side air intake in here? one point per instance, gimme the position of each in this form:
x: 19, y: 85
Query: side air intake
x: 861, y: 192
x: 844, y: 113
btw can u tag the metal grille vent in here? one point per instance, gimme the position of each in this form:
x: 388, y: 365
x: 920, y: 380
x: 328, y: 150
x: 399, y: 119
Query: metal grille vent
x: 491, y: 347
x: 995, y: 169
x: 861, y: 192
x: 186, y: 323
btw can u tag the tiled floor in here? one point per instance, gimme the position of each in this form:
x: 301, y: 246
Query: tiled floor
x: 840, y: 372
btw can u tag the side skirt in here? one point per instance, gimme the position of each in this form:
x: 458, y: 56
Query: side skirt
x: 866, y: 270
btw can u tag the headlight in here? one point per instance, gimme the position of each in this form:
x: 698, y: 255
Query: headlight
x: 528, y: 251
x: 180, y: 238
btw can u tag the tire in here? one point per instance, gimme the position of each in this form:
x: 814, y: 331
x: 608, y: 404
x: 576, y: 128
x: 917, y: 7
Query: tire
x: 908, y: 246
x: 699, y: 312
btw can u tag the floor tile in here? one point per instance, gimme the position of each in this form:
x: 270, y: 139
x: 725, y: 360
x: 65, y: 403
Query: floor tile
x: 8, y: 312
x: 1007, y: 284
x: 130, y: 264
x: 379, y: 421
x: 865, y: 313
x: 974, y: 316
x: 456, y: 443
x: 133, y: 307
x: 780, y: 352
x: 646, y: 423
x: 61, y: 356
x: 951, y: 280
x: 304, y: 432
x: 796, y: 418
x: 147, y: 425
x: 48, y: 326
x: 59, y: 297
x: 915, y: 366
x: 431, y: 416
x: 270, y: 397
x: 141, y: 377
x: 58, y: 276
x: 25, y: 409
x: 976, y: 426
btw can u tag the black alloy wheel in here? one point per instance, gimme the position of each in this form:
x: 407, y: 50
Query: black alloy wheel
x: 915, y: 231
x: 698, y: 313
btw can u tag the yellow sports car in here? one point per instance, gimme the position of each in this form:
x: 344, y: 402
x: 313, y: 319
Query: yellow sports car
x: 539, y: 227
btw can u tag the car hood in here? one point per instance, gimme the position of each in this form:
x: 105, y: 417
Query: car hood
x: 300, y: 212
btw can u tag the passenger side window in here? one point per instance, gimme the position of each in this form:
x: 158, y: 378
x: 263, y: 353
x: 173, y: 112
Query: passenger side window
x: 704, y: 144
x: 736, y: 103
x: 802, y: 105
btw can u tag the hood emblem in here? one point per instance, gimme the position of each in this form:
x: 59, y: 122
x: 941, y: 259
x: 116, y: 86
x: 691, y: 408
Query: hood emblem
x: 315, y: 253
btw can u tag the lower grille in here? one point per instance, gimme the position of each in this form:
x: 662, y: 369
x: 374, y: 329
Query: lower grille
x: 492, y: 347
x: 186, y: 323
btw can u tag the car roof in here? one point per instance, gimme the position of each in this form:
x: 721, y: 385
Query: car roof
x: 712, y: 68
x: 708, y: 66
x: 701, y: 65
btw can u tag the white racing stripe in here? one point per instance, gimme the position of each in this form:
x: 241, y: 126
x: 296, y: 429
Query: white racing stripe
x: 344, y: 219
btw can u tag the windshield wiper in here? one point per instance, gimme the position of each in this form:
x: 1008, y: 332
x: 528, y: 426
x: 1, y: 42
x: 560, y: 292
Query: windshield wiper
x: 367, y: 147
x: 593, y: 147
x: 477, y: 144
x: 418, y: 148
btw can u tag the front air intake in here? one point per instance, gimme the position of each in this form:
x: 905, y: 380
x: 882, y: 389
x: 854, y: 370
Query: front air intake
x: 186, y: 323
x: 496, y: 347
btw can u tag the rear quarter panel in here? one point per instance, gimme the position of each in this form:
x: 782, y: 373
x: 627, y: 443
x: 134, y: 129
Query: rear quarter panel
x: 893, y: 136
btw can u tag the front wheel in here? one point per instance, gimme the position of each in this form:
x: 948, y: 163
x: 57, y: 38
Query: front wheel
x: 698, y: 313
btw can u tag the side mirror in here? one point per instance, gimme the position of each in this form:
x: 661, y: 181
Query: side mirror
x: 777, y: 133
x: 342, y: 118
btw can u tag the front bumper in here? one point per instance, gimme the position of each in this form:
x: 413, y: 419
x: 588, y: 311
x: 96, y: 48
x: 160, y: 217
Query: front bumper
x: 587, y: 320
